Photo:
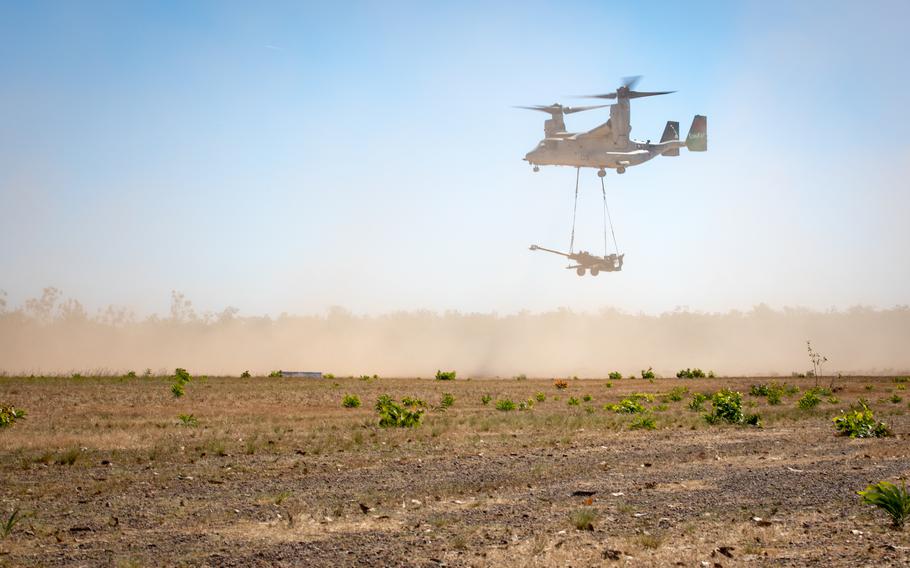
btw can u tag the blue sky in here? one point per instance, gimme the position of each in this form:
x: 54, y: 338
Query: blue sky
x: 288, y: 157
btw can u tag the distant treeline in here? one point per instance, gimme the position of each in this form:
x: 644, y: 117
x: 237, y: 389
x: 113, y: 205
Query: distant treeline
x: 51, y: 334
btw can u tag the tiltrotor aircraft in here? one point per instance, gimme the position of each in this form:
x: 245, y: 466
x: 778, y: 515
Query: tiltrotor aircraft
x: 609, y: 145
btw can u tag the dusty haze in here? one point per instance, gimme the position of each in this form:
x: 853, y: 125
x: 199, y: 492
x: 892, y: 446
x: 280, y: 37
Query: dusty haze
x: 52, y: 335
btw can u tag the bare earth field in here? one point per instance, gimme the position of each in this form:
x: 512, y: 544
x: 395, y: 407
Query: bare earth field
x: 277, y: 473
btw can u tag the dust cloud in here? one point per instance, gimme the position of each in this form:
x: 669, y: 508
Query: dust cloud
x: 52, y: 335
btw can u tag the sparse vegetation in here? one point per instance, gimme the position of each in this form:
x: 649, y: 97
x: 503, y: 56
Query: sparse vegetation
x: 626, y: 406
x: 414, y: 402
x: 10, y: 523
x: 188, y: 420
x: 698, y: 401
x: 277, y: 375
x: 448, y: 399
x: 615, y: 376
x: 573, y: 401
x: 895, y: 398
x: 587, y: 398
x: 643, y: 422
x: 485, y: 399
x: 583, y: 519
x: 890, y: 498
x: 181, y: 378
x: 648, y: 374
x: 690, y: 374
x: 810, y: 399
x: 727, y: 406
x: 505, y: 405
x: 560, y: 384
x: 445, y: 375
x: 245, y: 375
x: 540, y: 397
x: 391, y: 414
x: 350, y: 401
x: 860, y: 423
x: 9, y: 414
x: 676, y: 394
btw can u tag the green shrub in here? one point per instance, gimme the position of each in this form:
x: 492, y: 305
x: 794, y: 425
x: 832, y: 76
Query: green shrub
x: 188, y: 420
x: 540, y: 397
x: 677, y: 394
x: 615, y: 376
x: 448, y: 399
x: 902, y: 379
x: 583, y: 519
x: 181, y: 378
x: 661, y: 408
x: 445, y: 375
x: 608, y: 384
x: 774, y: 397
x: 642, y: 396
x: 177, y: 390
x: 573, y: 401
x: 587, y: 398
x: 245, y: 375
x: 649, y: 374
x: 350, y: 401
x: 485, y: 399
x: 860, y: 423
x: 9, y: 414
x: 392, y: 415
x: 505, y: 405
x: 895, y: 398
x: 698, y: 401
x: 130, y: 374
x: 643, y: 423
x: 727, y: 406
x: 890, y: 498
x: 690, y: 374
x: 413, y: 402
x: 626, y: 406
x: 809, y: 400
x: 277, y: 375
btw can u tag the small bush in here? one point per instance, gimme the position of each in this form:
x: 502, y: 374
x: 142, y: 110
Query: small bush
x: 615, y: 376
x: 560, y: 384
x: 608, y: 384
x: 902, y: 379
x: 445, y: 375
x: 573, y: 401
x: 677, y: 394
x: 626, y: 406
x: 9, y: 414
x: 690, y: 374
x: 392, y: 415
x: 448, y: 399
x: 774, y: 397
x: 583, y: 519
x: 890, y: 498
x: 521, y: 377
x: 485, y: 399
x: 860, y: 423
x: 540, y: 397
x: 68, y: 457
x: 130, y: 374
x: 10, y: 523
x: 649, y: 374
x: 245, y: 375
x: 413, y: 402
x: 350, y: 401
x: 698, y: 401
x: 177, y: 390
x: 587, y: 398
x: 181, y: 378
x: 505, y: 405
x: 643, y: 423
x: 809, y: 400
x: 188, y: 420
x: 727, y: 406
x: 277, y: 375
x: 895, y: 398
x: 642, y: 396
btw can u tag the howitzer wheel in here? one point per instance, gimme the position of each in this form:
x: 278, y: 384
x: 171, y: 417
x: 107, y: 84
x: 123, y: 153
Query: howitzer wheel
x: 601, y: 172
x: 580, y: 271
x: 595, y: 271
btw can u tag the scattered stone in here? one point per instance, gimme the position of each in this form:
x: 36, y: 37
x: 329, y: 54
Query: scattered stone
x: 583, y: 493
x: 610, y: 554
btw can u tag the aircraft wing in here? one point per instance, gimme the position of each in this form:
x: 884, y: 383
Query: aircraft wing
x: 602, y: 131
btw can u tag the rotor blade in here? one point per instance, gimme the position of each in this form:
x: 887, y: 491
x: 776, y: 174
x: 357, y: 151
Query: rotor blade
x: 547, y: 109
x: 605, y: 96
x: 570, y: 110
x: 639, y: 94
x: 630, y: 82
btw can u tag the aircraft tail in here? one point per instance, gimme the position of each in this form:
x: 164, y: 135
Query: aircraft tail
x: 671, y: 132
x: 697, y: 140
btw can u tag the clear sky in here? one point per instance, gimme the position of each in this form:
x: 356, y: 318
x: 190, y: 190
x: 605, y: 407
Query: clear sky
x: 290, y: 156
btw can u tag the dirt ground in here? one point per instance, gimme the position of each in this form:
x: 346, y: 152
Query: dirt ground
x: 277, y: 473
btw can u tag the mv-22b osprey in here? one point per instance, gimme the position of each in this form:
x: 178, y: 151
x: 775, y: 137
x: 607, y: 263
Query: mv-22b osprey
x: 609, y: 145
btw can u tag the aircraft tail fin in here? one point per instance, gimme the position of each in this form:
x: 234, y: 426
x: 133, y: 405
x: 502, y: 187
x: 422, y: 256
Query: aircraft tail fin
x: 697, y: 140
x: 671, y: 132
